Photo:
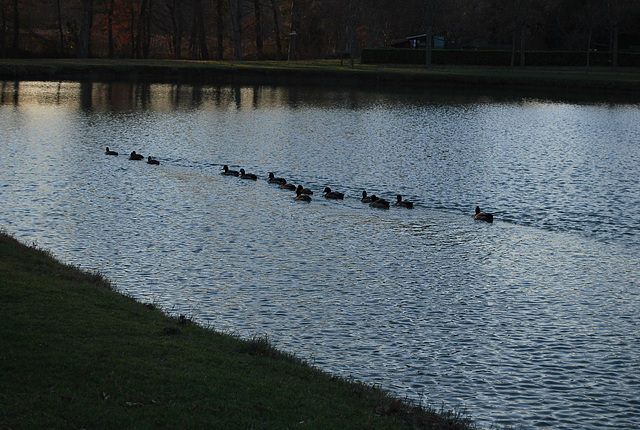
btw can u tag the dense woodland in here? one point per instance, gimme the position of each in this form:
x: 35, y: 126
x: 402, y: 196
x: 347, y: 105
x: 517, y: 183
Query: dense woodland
x: 303, y: 29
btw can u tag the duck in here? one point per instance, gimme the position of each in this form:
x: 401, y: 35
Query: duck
x: 302, y: 197
x: 304, y: 190
x: 377, y: 202
x: 483, y: 216
x: 152, y: 161
x: 288, y: 186
x: 365, y: 197
x: 229, y: 172
x: 274, y: 180
x: 403, y: 203
x: 332, y: 194
x: 245, y: 175
x: 110, y: 152
x: 134, y: 156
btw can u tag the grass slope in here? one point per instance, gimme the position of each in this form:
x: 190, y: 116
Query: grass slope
x: 76, y: 354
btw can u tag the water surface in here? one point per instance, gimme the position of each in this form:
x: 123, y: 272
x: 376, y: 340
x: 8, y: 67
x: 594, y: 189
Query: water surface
x: 531, y: 321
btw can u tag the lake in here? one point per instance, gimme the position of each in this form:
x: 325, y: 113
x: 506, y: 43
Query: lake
x: 531, y: 321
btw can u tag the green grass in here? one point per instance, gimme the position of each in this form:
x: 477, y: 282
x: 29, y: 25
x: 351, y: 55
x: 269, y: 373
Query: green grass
x: 76, y: 354
x: 331, y: 72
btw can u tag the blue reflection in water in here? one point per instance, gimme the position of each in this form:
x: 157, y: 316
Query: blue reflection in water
x: 531, y: 321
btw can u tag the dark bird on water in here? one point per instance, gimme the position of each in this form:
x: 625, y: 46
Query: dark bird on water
x: 110, y: 152
x: 403, y: 203
x: 245, y: 175
x: 274, y: 180
x: 152, y: 161
x: 302, y: 197
x: 134, y: 156
x: 377, y: 202
x: 229, y: 172
x: 288, y: 186
x: 483, y: 216
x: 304, y: 190
x: 365, y: 197
x: 332, y: 194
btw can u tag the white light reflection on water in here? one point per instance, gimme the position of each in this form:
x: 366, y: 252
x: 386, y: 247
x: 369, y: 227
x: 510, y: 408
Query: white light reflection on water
x: 531, y: 321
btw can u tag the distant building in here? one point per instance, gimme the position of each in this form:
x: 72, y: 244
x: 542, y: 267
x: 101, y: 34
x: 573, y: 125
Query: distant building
x: 418, y: 42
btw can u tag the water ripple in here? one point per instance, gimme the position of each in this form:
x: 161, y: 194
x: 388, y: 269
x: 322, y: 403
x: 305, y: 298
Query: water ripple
x: 530, y: 322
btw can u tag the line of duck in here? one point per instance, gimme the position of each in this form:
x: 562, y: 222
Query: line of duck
x: 134, y: 156
x: 304, y: 194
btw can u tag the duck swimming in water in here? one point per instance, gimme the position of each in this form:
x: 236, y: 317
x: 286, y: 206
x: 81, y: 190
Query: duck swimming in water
x: 288, y: 186
x: 482, y: 216
x: 377, y: 202
x: 403, y: 203
x: 365, y: 197
x: 332, y: 194
x: 152, y: 161
x: 303, y: 190
x: 229, y: 172
x: 301, y: 196
x: 245, y: 175
x: 274, y: 180
x: 109, y: 152
x: 134, y: 156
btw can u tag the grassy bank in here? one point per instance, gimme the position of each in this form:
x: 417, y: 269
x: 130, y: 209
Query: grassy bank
x: 332, y: 72
x: 75, y: 354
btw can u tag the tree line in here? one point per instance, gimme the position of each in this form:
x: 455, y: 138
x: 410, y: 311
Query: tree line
x: 303, y: 29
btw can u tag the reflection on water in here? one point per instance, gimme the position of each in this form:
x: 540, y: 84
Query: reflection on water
x: 531, y: 321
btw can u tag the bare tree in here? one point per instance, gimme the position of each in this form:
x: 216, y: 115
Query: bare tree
x: 198, y: 43
x: 276, y: 25
x: 3, y: 31
x: 174, y: 9
x: 431, y: 9
x: 16, y: 28
x: 353, y: 16
x: 294, y: 30
x: 617, y: 13
x: 60, y: 31
x: 220, y: 21
x: 84, y: 43
x: 236, y: 20
x: 259, y: 38
x: 110, y: 9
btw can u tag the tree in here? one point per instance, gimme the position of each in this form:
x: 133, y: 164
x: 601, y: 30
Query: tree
x: 259, y: 38
x: 276, y: 27
x: 353, y: 13
x: 198, y: 42
x: 16, y: 28
x: 294, y: 30
x: 143, y: 32
x: 236, y: 20
x: 84, y: 42
x: 220, y: 35
x: 60, y: 30
x: 175, y: 26
x: 3, y: 31
x: 431, y: 9
x: 617, y: 13
x: 109, y: 8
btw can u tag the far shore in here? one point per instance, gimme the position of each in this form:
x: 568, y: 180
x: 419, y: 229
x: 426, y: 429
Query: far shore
x: 324, y: 72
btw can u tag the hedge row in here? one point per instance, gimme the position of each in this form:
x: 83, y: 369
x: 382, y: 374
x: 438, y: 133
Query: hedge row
x: 496, y: 58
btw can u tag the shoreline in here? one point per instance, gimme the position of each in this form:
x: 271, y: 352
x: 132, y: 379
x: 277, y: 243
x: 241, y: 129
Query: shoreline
x: 77, y: 353
x: 323, y: 72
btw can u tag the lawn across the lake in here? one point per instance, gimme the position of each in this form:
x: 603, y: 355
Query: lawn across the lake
x: 325, y: 72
